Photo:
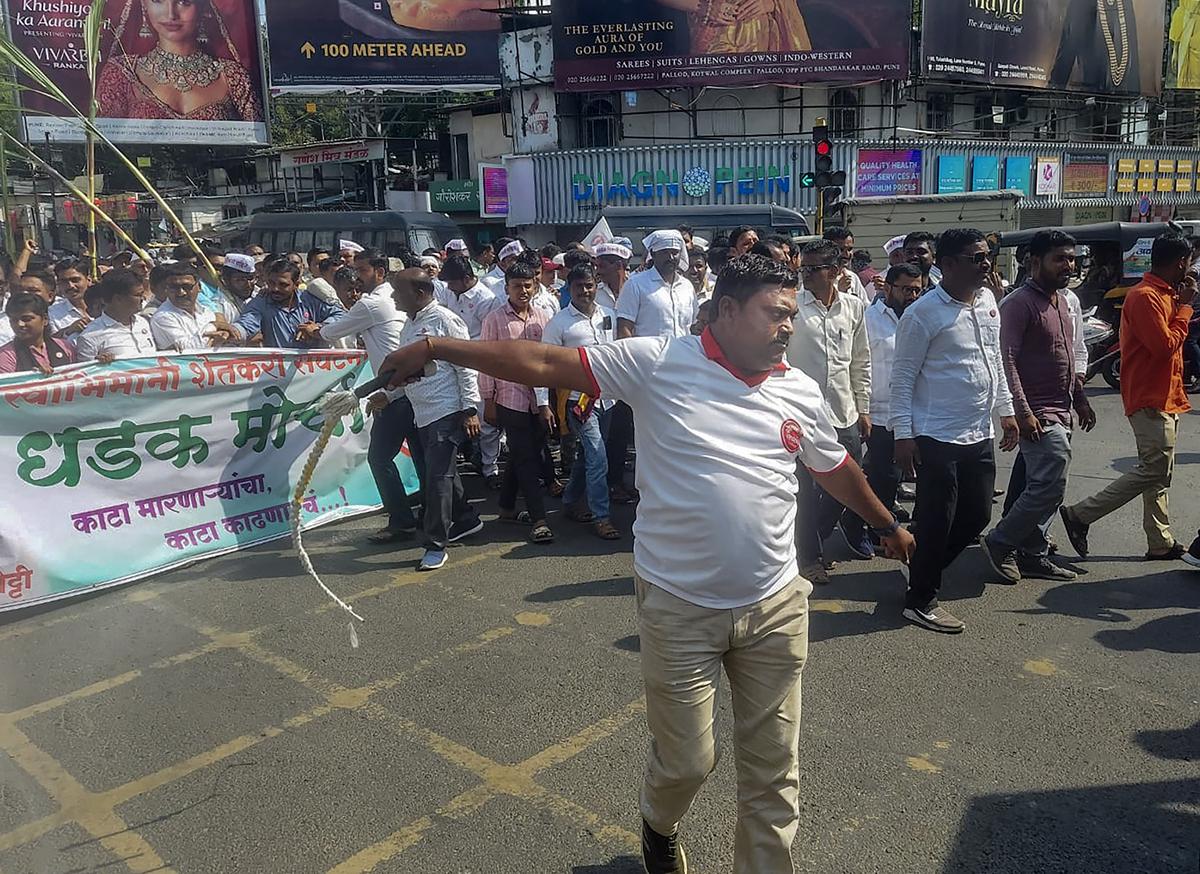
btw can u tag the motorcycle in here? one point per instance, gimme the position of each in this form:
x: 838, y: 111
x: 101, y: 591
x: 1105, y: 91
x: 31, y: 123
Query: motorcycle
x: 1103, y: 347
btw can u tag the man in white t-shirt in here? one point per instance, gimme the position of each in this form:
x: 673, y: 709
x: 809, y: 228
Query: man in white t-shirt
x: 659, y: 301
x: 722, y: 421
x: 847, y: 280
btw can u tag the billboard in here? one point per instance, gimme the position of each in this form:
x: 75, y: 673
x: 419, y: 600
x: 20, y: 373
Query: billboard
x: 493, y: 187
x: 1109, y: 47
x: 170, y: 73
x: 402, y: 45
x: 641, y: 44
x: 1183, y: 38
x: 888, y: 172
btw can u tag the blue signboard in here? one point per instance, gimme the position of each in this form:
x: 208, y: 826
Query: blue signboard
x: 952, y: 174
x: 985, y: 173
x: 1017, y: 173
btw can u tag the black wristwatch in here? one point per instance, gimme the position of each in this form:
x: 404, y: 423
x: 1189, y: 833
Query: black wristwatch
x: 882, y: 533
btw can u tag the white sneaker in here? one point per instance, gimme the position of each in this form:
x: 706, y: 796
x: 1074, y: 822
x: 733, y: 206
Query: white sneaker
x: 432, y: 560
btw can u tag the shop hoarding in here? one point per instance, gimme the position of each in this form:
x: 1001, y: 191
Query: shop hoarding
x: 627, y: 45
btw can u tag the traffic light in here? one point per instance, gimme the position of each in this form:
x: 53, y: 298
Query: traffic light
x: 825, y: 177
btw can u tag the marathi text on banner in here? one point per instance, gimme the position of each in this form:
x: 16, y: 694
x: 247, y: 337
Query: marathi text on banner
x: 112, y: 473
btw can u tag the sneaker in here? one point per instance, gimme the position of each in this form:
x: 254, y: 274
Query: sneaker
x: 857, y: 541
x: 902, y: 515
x: 662, y: 854
x: 935, y: 619
x: 906, y: 492
x: 459, y: 530
x: 1002, y: 559
x: 1077, y: 532
x: 1041, y: 568
x: 432, y: 560
x: 816, y: 574
x: 1191, y: 560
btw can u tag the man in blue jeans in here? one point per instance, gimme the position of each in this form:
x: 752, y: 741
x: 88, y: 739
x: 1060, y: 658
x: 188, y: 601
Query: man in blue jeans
x: 1037, y: 338
x: 585, y: 323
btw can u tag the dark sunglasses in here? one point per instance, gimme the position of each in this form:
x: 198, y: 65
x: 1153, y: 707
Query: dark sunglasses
x: 978, y: 257
x: 810, y: 269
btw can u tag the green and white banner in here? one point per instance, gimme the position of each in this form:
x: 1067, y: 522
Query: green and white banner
x: 110, y: 473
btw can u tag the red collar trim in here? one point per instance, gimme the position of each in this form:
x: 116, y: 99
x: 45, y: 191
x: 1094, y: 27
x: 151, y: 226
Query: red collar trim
x: 714, y: 352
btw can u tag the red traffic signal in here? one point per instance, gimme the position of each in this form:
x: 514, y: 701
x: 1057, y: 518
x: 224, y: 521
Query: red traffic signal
x: 824, y: 148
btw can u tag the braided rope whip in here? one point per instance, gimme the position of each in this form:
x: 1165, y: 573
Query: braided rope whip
x: 334, y: 406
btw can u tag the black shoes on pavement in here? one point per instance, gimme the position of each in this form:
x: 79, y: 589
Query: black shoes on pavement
x: 662, y: 854
x: 1077, y: 532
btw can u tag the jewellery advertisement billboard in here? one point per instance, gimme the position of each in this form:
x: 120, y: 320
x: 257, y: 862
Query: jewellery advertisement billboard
x: 170, y: 73
x: 1100, y: 46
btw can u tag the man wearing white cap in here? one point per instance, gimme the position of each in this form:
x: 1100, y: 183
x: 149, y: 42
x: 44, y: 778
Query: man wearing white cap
x: 660, y: 301
x: 612, y: 263
x: 457, y: 246
x: 347, y: 249
x: 237, y: 281
x: 494, y: 278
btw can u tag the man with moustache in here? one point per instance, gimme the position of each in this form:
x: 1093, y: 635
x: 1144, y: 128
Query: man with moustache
x: 660, y: 301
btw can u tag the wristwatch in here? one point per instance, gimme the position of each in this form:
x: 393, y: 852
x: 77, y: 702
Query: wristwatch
x: 882, y: 533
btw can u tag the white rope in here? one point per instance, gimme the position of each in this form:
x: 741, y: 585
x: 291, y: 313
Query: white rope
x: 334, y: 406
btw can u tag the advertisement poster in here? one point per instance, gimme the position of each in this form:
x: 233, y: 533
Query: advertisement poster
x: 493, y: 185
x: 1183, y: 45
x: 1109, y: 47
x: 628, y: 45
x: 985, y: 173
x: 1016, y: 174
x: 888, y: 172
x: 1049, y: 177
x: 952, y: 174
x: 150, y: 463
x: 170, y: 73
x: 405, y: 45
x: 1085, y: 174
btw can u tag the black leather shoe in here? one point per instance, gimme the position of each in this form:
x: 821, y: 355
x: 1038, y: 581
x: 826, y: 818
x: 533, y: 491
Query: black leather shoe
x: 662, y: 854
x: 1077, y: 532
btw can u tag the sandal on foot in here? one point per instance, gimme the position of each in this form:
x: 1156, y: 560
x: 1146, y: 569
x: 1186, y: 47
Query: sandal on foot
x: 605, y: 530
x: 521, y: 518
x: 541, y: 533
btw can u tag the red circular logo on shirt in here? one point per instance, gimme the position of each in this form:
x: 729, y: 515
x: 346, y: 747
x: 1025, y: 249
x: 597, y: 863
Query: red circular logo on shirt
x: 791, y: 434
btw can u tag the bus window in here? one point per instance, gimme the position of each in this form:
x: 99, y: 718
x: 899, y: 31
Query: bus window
x: 304, y: 242
x: 326, y: 239
x: 282, y: 242
x: 422, y: 239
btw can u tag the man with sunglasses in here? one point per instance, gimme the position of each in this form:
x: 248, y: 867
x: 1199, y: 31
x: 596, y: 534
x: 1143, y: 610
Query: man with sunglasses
x: 947, y: 381
x: 829, y: 345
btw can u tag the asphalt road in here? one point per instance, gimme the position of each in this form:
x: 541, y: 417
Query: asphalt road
x: 491, y: 719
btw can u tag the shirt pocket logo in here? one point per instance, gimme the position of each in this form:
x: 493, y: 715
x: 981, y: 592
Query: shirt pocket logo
x: 790, y: 434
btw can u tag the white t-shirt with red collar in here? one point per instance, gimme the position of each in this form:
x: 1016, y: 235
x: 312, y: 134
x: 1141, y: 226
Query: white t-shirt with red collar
x: 717, y: 454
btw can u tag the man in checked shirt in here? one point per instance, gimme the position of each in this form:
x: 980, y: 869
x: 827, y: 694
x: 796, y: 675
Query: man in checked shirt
x: 522, y: 411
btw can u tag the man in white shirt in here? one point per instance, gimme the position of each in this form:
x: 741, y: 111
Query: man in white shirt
x: 180, y: 324
x: 376, y: 319
x: 659, y: 301
x: 918, y: 251
x: 903, y: 284
x: 717, y: 585
x: 585, y: 324
x: 847, y: 280
x: 121, y: 332
x: 494, y: 278
x: 444, y: 407
x: 471, y: 301
x: 612, y: 265
x: 322, y: 266
x: 68, y: 314
x: 947, y: 381
x: 830, y: 347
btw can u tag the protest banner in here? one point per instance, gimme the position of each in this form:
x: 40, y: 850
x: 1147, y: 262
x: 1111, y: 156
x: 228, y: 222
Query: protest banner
x: 111, y: 473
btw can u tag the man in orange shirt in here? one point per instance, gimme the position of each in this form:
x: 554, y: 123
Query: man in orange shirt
x: 1154, y: 326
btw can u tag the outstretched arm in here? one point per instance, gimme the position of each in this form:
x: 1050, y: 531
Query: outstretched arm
x: 520, y: 361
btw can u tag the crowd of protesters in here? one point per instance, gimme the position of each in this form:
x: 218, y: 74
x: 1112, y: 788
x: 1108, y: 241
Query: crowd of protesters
x: 777, y: 393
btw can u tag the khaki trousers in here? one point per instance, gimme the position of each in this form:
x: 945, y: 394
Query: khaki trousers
x: 1154, y: 433
x: 763, y: 648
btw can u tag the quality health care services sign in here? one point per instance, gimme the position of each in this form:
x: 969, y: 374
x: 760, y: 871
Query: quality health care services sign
x: 112, y: 473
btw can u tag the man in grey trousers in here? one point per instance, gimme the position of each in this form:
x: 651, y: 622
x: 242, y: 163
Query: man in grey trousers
x: 1036, y: 346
